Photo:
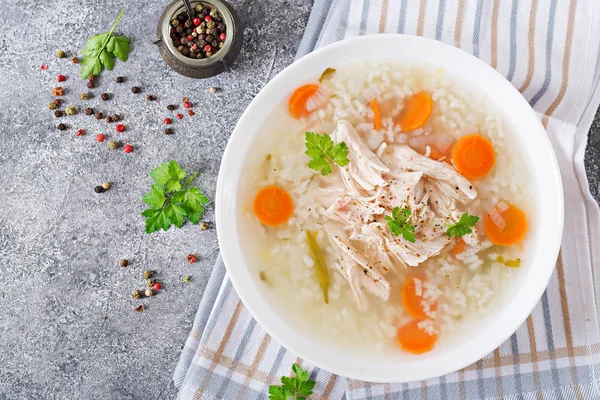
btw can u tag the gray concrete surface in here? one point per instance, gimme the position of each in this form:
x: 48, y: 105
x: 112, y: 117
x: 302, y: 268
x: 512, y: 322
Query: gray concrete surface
x: 68, y: 329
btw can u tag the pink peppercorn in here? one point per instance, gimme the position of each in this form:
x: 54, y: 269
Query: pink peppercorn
x: 128, y: 148
x: 61, y: 78
x: 120, y: 128
x: 179, y: 116
x: 222, y: 36
x: 208, y: 48
x: 190, y: 38
x: 196, y: 21
x: 208, y: 18
x: 156, y: 286
x: 80, y: 132
x: 100, y: 137
x: 187, y: 104
x: 168, y: 121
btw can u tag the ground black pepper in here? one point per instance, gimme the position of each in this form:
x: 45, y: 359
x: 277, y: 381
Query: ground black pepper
x: 135, y: 90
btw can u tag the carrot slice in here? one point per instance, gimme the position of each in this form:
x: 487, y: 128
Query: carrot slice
x: 273, y: 206
x: 297, y: 102
x: 415, y: 340
x: 473, y: 156
x: 459, y: 247
x: 376, y: 115
x: 417, y: 109
x: 411, y: 301
x: 514, y: 230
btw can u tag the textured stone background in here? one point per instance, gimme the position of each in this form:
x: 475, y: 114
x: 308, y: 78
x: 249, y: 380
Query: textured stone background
x: 60, y: 242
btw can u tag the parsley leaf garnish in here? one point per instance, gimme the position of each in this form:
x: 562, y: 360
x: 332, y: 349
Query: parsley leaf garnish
x: 464, y: 226
x: 101, y: 49
x: 324, y: 153
x: 297, y: 388
x: 171, y: 199
x: 399, y: 224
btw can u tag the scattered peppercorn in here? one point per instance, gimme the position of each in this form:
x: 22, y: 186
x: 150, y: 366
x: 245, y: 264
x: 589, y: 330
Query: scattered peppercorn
x: 43, y: 67
x: 70, y: 110
x: 123, y: 262
x: 150, y: 97
x: 99, y: 115
x: 106, y: 185
x: 149, y: 292
x: 150, y: 282
x: 171, y: 107
x: 120, y: 128
x: 99, y: 189
x: 156, y: 286
x: 91, y: 78
x: 168, y: 121
x: 85, y: 96
x: 135, y: 89
x: 61, y: 127
x: 213, y: 89
x: 114, y: 144
x: 91, y: 85
x: 179, y: 116
x: 61, y: 78
x: 115, y: 118
x: 139, y: 308
x: 192, y: 258
x: 60, y: 54
x: 185, y: 99
x: 89, y: 111
x: 147, y: 274
x: 128, y: 148
x: 75, y: 60
x: 191, y: 113
x: 52, y: 105
x: 105, y: 96
x: 187, y: 104
x: 120, y: 79
x: 80, y: 132
x: 100, y: 137
x: 58, y: 113
x: 137, y: 294
x: 109, y: 120
x: 168, y: 131
x: 204, y: 225
x: 58, y: 102
x: 58, y: 91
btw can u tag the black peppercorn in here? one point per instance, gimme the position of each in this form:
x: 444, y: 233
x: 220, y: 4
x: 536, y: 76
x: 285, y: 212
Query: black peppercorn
x: 58, y: 113
x: 99, y: 115
x: 105, y: 96
x: 58, y: 102
x: 150, y: 97
x: 120, y: 79
x: 91, y: 84
x: 99, y: 189
x: 108, y: 119
x: 61, y: 127
x: 210, y: 38
x: 171, y: 107
x: 89, y: 111
x: 115, y: 118
x: 135, y: 89
x: 168, y: 131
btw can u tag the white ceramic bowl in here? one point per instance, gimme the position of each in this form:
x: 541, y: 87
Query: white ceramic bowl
x: 544, y: 237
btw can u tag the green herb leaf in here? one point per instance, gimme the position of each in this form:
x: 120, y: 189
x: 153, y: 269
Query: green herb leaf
x: 464, y: 226
x: 171, y: 198
x: 187, y: 278
x: 399, y: 224
x: 297, y: 388
x: 101, y: 49
x: 328, y: 72
x: 324, y: 153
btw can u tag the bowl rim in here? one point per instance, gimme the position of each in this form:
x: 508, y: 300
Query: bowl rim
x: 542, y: 161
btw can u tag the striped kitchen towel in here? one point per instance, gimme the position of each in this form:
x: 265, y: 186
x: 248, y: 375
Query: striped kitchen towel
x: 549, y: 50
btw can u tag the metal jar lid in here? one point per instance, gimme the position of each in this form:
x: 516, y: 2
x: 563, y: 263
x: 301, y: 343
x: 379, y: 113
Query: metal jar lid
x: 205, y: 67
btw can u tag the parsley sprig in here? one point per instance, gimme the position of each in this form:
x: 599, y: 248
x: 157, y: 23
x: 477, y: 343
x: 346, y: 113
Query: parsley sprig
x: 171, y: 198
x: 399, y: 224
x: 296, y: 388
x: 324, y: 153
x: 464, y: 226
x: 101, y: 49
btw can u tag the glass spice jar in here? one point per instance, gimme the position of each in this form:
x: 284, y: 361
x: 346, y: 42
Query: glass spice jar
x: 205, y: 67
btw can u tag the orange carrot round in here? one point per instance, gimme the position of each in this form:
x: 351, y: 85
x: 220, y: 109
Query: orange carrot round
x: 411, y: 301
x: 514, y: 230
x: 459, y: 247
x: 473, y: 156
x: 297, y: 102
x: 376, y: 115
x: 415, y: 340
x: 273, y: 206
x: 417, y: 109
